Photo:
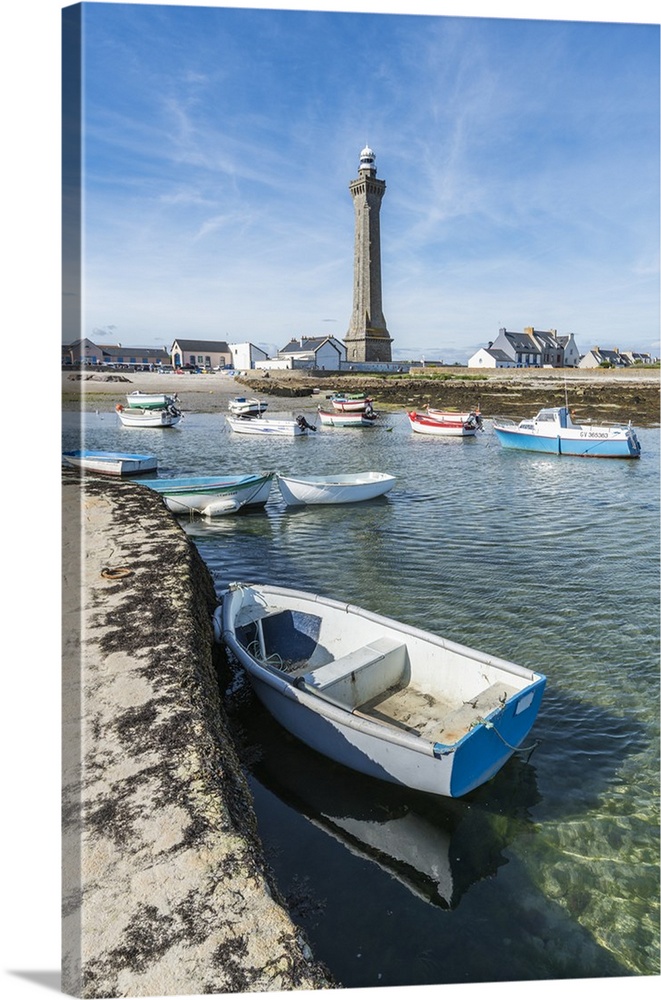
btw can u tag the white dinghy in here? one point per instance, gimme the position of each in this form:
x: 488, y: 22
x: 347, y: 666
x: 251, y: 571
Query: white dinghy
x: 334, y: 489
x: 240, y: 406
x: 133, y: 416
x: 270, y: 427
x: 377, y: 695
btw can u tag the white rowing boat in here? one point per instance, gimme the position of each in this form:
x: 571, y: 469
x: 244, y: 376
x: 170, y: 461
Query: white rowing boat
x: 134, y: 416
x: 240, y: 406
x: 270, y: 427
x: 379, y: 696
x: 111, y: 463
x: 348, y: 488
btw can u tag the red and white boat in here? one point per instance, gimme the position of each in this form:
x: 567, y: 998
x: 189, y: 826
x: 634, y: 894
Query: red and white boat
x: 356, y: 403
x: 446, y: 423
x: 358, y: 418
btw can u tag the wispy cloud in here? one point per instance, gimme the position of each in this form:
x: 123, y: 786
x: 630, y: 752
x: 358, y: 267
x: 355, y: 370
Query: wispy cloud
x: 521, y: 162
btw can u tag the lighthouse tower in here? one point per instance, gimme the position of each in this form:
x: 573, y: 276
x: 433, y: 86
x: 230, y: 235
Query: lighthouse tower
x: 367, y: 338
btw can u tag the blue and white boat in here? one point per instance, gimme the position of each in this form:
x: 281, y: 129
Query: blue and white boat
x: 379, y: 696
x: 212, y: 496
x: 554, y: 432
x: 111, y: 463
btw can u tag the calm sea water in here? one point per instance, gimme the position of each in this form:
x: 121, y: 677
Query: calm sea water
x: 551, y: 870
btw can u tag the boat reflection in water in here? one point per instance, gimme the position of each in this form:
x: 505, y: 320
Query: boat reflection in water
x: 436, y: 847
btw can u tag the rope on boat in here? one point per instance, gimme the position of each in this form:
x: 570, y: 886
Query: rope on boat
x: 273, y: 659
x: 490, y: 725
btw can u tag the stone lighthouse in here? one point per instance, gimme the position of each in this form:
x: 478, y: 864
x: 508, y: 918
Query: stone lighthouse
x: 367, y: 338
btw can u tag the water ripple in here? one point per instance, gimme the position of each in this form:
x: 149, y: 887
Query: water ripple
x: 551, y: 562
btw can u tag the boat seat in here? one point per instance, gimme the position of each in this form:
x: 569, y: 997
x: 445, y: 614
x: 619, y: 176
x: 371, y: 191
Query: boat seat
x: 457, y: 723
x: 360, y: 675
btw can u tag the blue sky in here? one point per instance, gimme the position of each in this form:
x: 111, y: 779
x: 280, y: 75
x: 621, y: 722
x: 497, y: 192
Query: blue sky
x: 521, y: 159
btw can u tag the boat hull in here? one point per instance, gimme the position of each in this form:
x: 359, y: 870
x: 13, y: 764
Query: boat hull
x: 134, y: 417
x: 585, y: 442
x: 338, y: 419
x: 350, y: 404
x: 111, y: 463
x: 150, y: 400
x: 267, y: 427
x: 212, y: 496
x: 332, y: 719
x: 335, y: 489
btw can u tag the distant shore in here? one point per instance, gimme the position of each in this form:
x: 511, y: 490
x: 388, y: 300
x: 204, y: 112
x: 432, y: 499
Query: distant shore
x: 595, y: 394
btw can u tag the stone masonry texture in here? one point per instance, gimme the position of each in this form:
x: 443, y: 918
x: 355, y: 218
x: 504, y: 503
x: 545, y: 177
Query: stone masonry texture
x: 165, y: 887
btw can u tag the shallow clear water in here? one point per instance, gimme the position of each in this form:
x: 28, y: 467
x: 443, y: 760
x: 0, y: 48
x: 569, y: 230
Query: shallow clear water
x: 551, y: 870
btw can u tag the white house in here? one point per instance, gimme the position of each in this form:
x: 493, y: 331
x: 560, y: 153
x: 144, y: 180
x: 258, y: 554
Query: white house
x: 314, y: 352
x: 572, y: 353
x: 487, y: 357
x: 246, y: 356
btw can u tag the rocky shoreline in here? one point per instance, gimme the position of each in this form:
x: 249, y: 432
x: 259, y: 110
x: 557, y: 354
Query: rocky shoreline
x: 597, y: 395
x: 634, y: 397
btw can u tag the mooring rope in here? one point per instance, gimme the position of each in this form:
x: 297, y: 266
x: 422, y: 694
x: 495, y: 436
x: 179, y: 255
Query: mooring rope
x: 490, y: 725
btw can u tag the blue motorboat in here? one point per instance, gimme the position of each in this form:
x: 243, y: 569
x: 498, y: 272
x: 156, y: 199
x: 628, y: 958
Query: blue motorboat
x: 553, y: 431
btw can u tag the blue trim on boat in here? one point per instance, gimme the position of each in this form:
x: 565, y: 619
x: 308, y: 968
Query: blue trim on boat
x: 482, y: 752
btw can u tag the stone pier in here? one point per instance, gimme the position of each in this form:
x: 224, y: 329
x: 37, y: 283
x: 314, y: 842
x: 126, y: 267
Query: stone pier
x: 165, y: 887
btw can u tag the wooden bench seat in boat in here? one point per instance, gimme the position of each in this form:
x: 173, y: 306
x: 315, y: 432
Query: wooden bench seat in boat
x: 360, y: 675
x: 457, y: 723
x: 433, y: 718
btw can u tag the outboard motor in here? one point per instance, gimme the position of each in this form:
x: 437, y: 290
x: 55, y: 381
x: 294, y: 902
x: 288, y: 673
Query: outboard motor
x: 303, y: 424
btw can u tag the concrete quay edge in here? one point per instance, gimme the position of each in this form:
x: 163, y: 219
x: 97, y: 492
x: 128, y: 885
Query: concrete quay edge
x: 166, y: 890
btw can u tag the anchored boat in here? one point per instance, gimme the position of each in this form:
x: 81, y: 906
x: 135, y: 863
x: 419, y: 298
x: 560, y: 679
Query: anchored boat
x: 351, y: 402
x: 553, y: 431
x: 267, y: 426
x: 377, y: 695
x: 212, y: 496
x: 336, y: 418
x: 111, y: 463
x: 167, y: 416
x: 151, y: 400
x: 348, y: 488
x: 240, y: 406
x: 445, y: 423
